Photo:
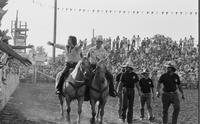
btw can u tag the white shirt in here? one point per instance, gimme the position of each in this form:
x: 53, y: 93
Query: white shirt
x: 72, y: 55
x: 100, y: 53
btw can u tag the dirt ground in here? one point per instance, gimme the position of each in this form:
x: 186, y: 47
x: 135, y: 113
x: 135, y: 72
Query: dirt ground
x: 38, y: 104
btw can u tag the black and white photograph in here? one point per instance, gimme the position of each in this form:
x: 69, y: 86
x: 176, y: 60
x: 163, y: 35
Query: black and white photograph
x: 99, y: 62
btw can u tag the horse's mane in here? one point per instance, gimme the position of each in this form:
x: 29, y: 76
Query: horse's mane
x: 74, y: 72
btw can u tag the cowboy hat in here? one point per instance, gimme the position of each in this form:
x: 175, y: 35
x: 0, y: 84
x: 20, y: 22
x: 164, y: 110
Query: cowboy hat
x: 129, y: 64
x: 99, y: 38
x: 171, y: 64
x: 172, y: 67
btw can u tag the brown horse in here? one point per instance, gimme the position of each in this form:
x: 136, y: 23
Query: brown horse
x: 99, y: 91
x: 74, y: 87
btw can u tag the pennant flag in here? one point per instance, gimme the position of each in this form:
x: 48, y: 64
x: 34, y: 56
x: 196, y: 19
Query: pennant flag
x: 147, y: 12
x: 152, y: 12
x: 166, y: 13
x: 70, y: 9
x: 133, y: 12
x: 106, y: 11
x: 137, y: 12
x: 110, y: 11
x: 93, y: 10
x: 163, y: 13
x: 190, y: 13
x: 124, y: 11
x: 176, y: 13
x: 181, y: 13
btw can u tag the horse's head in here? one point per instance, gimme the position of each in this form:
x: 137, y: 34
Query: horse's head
x: 101, y: 66
x: 85, y: 67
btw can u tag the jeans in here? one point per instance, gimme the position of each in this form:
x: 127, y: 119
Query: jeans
x: 128, y: 100
x: 167, y: 100
x: 146, y: 98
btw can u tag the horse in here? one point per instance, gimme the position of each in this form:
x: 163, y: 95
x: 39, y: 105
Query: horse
x: 99, y: 91
x: 74, y: 87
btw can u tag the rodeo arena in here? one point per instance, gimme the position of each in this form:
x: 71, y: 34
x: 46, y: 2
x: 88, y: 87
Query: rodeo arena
x: 97, y: 79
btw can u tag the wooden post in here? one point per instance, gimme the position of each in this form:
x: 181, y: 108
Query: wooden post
x: 35, y: 75
x: 198, y: 77
x: 54, y: 31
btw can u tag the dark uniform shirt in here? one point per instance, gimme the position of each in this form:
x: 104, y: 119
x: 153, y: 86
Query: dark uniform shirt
x: 170, y: 82
x: 118, y: 77
x: 129, y: 79
x: 146, y: 85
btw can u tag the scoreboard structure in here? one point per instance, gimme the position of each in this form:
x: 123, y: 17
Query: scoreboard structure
x: 19, y: 31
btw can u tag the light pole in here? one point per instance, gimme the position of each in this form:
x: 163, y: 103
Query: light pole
x: 54, y: 31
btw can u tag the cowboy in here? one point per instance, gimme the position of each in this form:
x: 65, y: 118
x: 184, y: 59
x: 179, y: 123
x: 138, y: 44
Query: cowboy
x: 119, y: 88
x: 129, y: 80
x: 147, y: 89
x: 73, y: 54
x: 97, y: 53
x: 170, y: 81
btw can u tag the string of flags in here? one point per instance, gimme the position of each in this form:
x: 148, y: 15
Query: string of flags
x: 137, y: 12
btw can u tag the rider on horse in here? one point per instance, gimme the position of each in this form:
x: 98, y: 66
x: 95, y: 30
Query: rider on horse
x: 99, y: 52
x: 73, y: 53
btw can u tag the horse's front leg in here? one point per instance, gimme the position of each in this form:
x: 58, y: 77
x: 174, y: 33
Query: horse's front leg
x: 93, y: 102
x: 68, y: 102
x: 102, y: 105
x: 61, y: 106
x: 99, y: 108
x: 80, y: 103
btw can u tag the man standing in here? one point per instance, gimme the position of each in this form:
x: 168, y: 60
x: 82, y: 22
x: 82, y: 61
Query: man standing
x: 119, y: 89
x: 129, y: 80
x: 147, y: 86
x: 73, y: 54
x: 95, y: 54
x: 170, y: 81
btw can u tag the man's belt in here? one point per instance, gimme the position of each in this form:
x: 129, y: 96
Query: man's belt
x: 171, y: 92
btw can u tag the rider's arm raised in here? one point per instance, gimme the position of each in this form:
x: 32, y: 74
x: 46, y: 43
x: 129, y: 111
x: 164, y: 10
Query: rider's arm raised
x: 63, y: 47
x: 60, y: 46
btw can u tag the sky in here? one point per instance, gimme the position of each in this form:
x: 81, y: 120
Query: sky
x: 40, y: 19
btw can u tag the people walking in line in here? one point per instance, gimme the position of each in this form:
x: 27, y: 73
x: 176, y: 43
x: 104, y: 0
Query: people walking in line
x: 129, y: 81
x: 147, y: 89
x: 170, y: 81
x: 118, y: 87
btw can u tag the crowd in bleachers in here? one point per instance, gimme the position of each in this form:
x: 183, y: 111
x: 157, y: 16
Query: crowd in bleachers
x: 149, y: 53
